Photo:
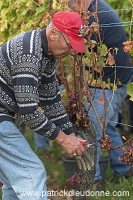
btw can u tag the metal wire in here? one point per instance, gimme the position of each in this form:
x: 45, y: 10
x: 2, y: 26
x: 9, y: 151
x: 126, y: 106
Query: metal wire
x: 120, y: 123
x: 128, y: 23
x: 110, y: 26
x: 107, y: 66
x: 120, y: 67
x: 116, y: 10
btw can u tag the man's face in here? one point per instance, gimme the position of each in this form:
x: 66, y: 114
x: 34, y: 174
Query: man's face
x: 62, y: 46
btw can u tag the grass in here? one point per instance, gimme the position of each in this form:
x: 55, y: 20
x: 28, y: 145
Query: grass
x: 118, y: 189
x: 121, y: 189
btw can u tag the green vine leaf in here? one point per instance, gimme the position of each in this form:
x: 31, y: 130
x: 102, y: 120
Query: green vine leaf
x: 24, y: 15
x: 131, y: 52
x: 130, y: 91
x: 104, y: 50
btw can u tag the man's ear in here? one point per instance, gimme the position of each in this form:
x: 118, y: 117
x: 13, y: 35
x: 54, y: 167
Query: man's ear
x: 54, y: 33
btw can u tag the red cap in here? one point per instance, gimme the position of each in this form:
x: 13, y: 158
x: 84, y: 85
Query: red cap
x: 71, y: 24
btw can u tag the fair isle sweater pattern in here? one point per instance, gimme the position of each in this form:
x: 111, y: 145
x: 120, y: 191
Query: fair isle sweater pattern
x: 27, y: 75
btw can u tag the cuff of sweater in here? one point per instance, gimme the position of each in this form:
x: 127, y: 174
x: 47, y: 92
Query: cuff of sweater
x: 57, y: 130
x: 55, y: 133
x: 68, y: 131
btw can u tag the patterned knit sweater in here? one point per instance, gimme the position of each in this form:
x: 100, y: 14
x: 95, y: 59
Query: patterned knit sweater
x: 27, y: 75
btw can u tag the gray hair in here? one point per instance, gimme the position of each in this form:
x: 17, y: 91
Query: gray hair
x: 50, y: 26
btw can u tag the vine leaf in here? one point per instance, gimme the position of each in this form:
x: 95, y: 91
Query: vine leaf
x: 110, y: 60
x: 130, y: 91
x: 127, y: 46
x: 101, y: 100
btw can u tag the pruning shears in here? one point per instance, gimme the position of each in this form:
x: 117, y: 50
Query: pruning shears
x: 86, y: 146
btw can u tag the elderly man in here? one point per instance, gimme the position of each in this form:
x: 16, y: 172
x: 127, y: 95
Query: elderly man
x: 27, y: 75
x: 112, y: 37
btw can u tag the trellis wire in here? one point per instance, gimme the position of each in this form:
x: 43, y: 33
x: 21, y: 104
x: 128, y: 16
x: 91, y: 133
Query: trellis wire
x: 107, y: 66
x: 128, y: 23
x: 119, y: 67
x: 108, y: 25
x: 120, y: 123
x: 123, y: 9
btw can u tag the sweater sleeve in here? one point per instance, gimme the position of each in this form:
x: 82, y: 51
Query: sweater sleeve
x: 26, y: 80
x: 50, y: 100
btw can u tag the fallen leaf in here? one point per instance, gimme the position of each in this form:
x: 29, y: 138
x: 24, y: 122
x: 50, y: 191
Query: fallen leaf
x: 56, y: 174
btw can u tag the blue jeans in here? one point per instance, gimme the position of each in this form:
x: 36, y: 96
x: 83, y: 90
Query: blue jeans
x: 119, y: 168
x: 22, y: 173
x: 41, y: 142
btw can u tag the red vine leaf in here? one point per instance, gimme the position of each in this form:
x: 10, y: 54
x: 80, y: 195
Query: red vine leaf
x: 78, y: 116
x: 101, y: 100
x: 94, y: 14
x: 110, y: 59
x: 94, y: 27
x: 127, y: 46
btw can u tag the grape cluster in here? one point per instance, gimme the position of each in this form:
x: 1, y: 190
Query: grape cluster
x: 71, y: 107
x: 106, y: 143
x: 75, y: 180
x: 127, y: 156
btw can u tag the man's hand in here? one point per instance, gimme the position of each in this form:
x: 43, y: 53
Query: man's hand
x: 71, y: 144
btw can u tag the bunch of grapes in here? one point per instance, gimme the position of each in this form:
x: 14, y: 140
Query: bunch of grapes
x: 71, y: 107
x: 127, y: 156
x: 75, y: 180
x: 106, y: 143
